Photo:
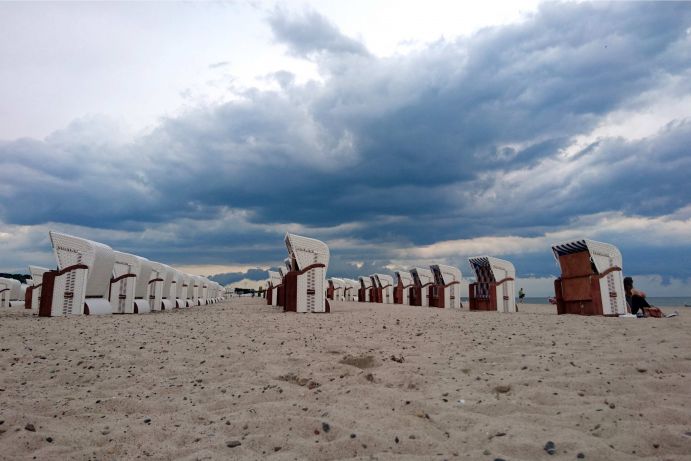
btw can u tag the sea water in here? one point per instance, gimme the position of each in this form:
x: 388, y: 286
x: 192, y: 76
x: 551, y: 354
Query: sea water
x: 661, y: 301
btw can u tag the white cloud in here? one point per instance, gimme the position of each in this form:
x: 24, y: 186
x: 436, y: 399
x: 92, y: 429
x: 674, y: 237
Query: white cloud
x: 656, y: 231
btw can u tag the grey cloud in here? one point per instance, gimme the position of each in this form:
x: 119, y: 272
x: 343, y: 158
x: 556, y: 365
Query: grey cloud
x: 418, y: 148
x: 311, y: 33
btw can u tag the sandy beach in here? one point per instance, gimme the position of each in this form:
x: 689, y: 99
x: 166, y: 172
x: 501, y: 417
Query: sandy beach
x: 242, y: 380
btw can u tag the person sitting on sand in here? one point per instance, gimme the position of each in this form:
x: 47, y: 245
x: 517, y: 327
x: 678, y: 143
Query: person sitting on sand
x: 635, y: 298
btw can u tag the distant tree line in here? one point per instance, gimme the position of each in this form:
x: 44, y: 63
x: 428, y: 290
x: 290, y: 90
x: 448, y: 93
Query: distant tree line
x: 249, y: 291
x: 21, y: 277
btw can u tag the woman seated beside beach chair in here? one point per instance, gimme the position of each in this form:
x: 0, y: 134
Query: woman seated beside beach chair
x: 637, y: 303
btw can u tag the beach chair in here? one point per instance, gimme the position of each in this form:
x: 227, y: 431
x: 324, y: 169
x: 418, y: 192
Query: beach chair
x: 385, y: 283
x: 419, y: 292
x: 169, y: 289
x: 20, y: 301
x: 273, y: 284
x: 124, y: 283
x: 204, y: 292
x: 339, y: 289
x: 4, y: 292
x: 182, y: 286
x: 154, y: 287
x: 401, y: 290
x: 330, y: 289
x: 9, y: 291
x: 81, y: 283
x: 376, y: 290
x: 191, y: 281
x: 591, y: 281
x: 446, y: 289
x: 494, y: 287
x: 141, y: 286
x: 281, y: 291
x: 350, y: 288
x: 305, y: 284
x: 32, y: 297
x: 364, y: 291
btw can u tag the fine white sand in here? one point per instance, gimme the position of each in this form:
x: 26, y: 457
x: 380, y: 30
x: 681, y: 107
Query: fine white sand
x: 366, y: 381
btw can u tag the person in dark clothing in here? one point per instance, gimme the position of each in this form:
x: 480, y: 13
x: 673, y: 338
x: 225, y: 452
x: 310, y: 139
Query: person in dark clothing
x: 634, y: 298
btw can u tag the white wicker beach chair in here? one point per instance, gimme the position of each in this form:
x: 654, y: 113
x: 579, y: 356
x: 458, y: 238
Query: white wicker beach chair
x: 591, y: 281
x: 141, y: 287
x: 21, y: 299
x: 404, y: 282
x: 32, y: 298
x: 275, y: 281
x: 13, y: 292
x: 182, y: 287
x: 446, y: 290
x: 386, y: 285
x: 4, y: 292
x: 422, y: 279
x: 350, y: 288
x: 154, y: 288
x: 10, y: 292
x: 204, y: 292
x: 364, y: 290
x: 196, y: 285
x: 305, y: 284
x: 169, y: 291
x: 339, y: 289
x: 123, y: 283
x: 82, y: 282
x: 495, y: 287
x: 375, y: 292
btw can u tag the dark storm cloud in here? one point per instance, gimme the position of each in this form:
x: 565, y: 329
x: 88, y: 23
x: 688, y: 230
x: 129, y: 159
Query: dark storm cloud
x: 459, y: 139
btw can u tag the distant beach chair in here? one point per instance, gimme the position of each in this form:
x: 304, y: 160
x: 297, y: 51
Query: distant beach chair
x: 350, y: 289
x: 154, y: 287
x: 81, y: 283
x: 305, y: 283
x: 364, y: 291
x: 32, y: 297
x: 4, y: 292
x: 187, y: 289
x: 335, y: 289
x: 446, y: 289
x: 401, y: 291
x: 10, y: 292
x: 330, y: 289
x: 339, y: 289
x: 123, y: 283
x: 197, y: 287
x: 281, y: 291
x: 419, y: 292
x: 212, y: 292
x: 21, y: 299
x: 591, y: 281
x: 141, y: 286
x: 375, y: 291
x: 494, y: 289
x: 386, y: 288
x: 169, y: 289
x: 275, y: 281
x: 180, y: 290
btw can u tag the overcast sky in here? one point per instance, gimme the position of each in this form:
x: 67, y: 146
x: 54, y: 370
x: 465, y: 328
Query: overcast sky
x: 401, y: 133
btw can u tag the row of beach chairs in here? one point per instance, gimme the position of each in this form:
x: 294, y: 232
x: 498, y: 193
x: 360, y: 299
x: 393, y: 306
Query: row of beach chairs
x: 591, y: 282
x: 91, y: 278
x: 437, y: 286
